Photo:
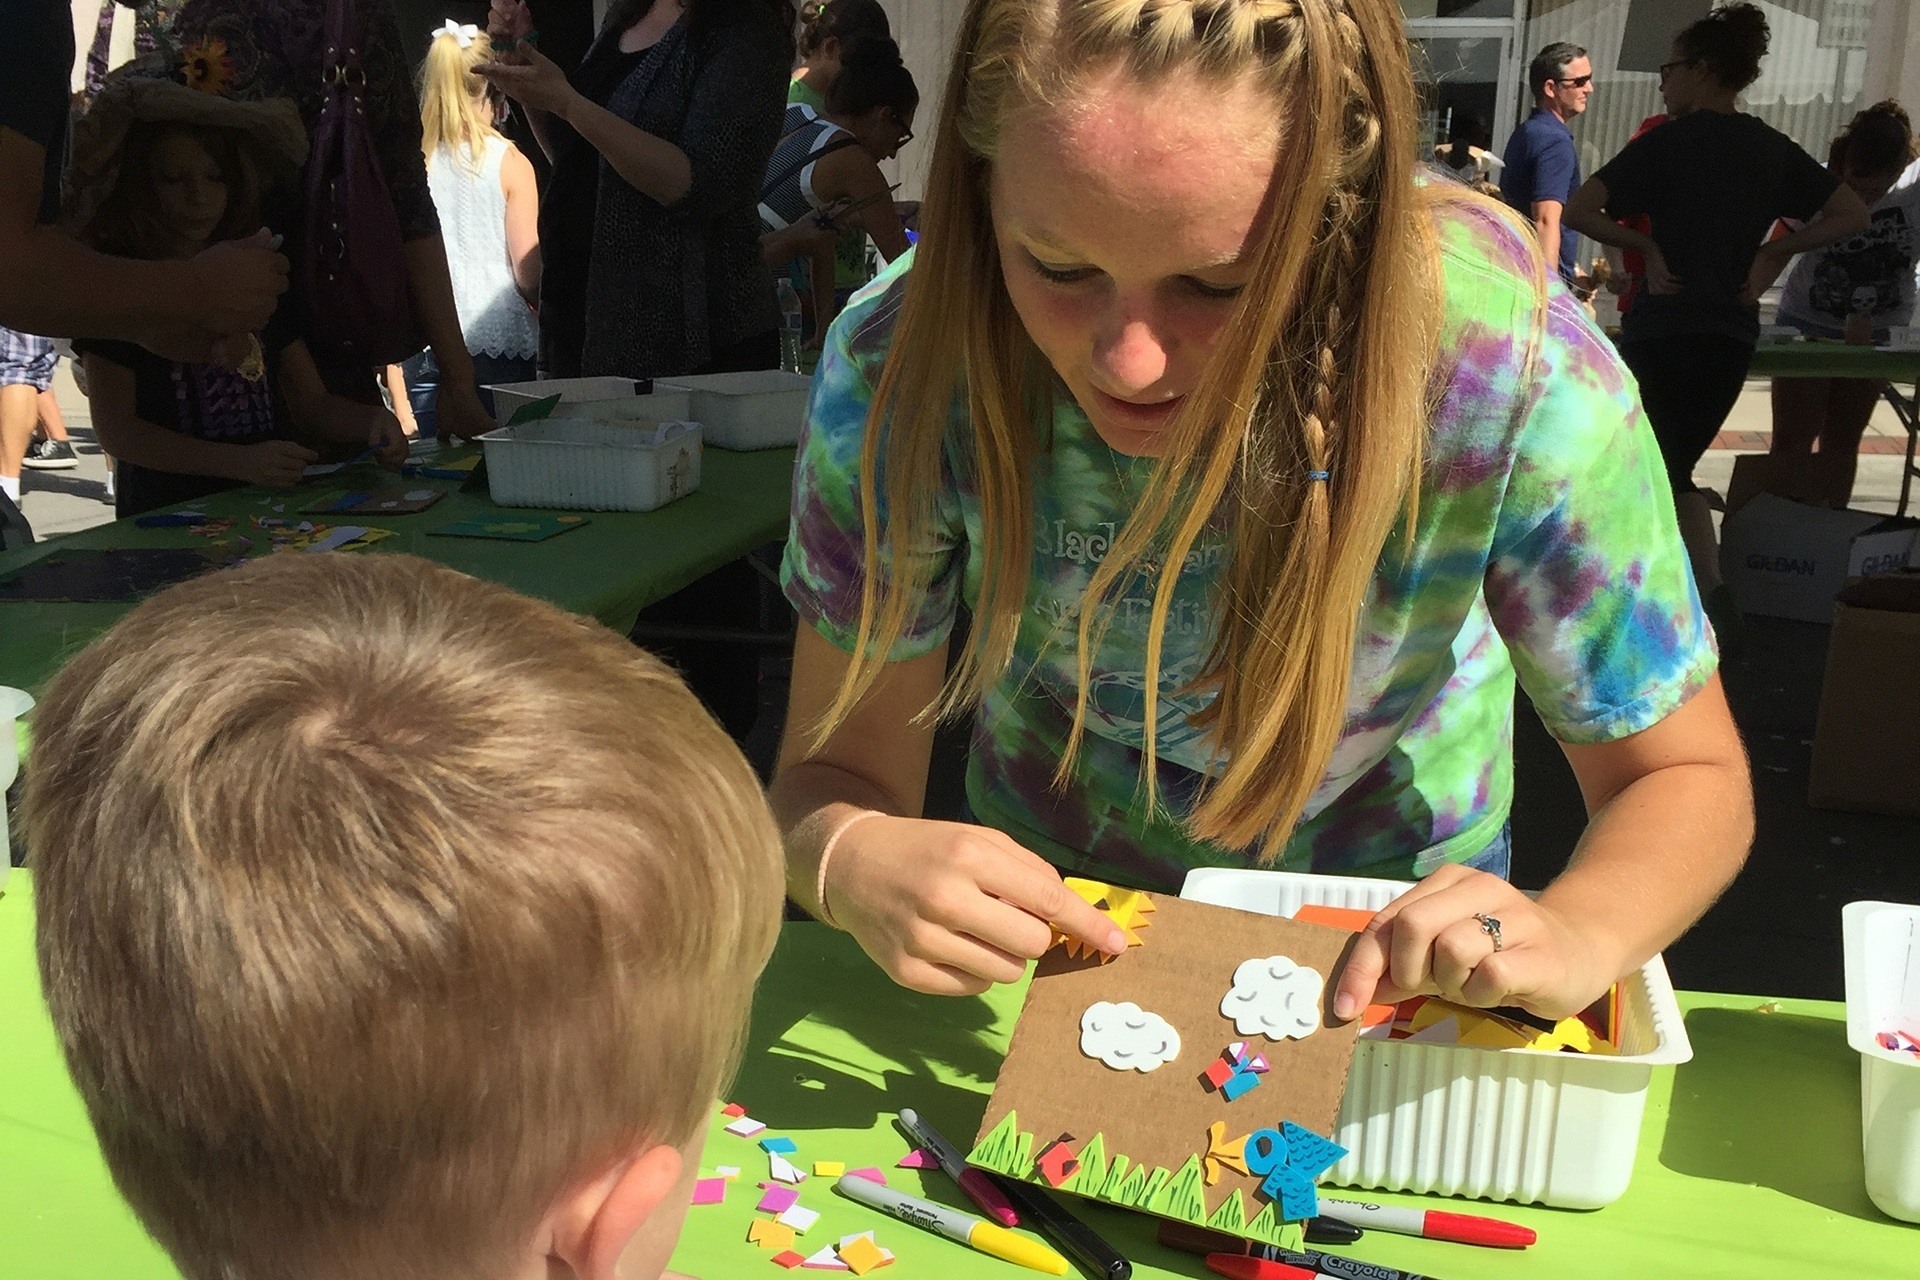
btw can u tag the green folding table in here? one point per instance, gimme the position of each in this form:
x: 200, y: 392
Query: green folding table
x: 1749, y: 1163
x: 1826, y: 359
x: 610, y: 568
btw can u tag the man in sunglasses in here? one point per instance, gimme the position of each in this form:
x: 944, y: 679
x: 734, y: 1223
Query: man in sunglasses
x: 1542, y: 168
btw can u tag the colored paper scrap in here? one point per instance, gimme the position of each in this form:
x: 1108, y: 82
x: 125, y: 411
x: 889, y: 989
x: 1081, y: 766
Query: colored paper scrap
x: 769, y: 1234
x: 734, y: 1110
x: 826, y: 1259
x: 727, y: 1170
x: 1218, y: 1072
x: 745, y: 1127
x: 788, y: 1259
x: 799, y: 1217
x: 1125, y: 1037
x: 870, y: 1173
x: 918, y: 1159
x: 782, y: 1170
x: 862, y: 1256
x: 1238, y: 1085
x: 829, y: 1168
x: 709, y: 1190
x: 779, y: 1146
x: 1056, y: 1161
x: 778, y: 1198
x: 534, y: 410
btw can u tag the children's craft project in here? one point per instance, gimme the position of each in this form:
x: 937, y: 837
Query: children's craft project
x: 396, y: 503
x: 516, y: 528
x: 1063, y: 1114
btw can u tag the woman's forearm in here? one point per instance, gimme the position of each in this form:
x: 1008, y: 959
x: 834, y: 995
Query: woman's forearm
x: 650, y: 165
x: 1655, y: 857
x: 142, y: 444
x: 809, y: 800
x: 432, y: 288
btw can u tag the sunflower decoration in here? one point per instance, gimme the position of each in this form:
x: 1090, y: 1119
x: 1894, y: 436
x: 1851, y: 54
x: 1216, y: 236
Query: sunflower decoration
x: 1128, y: 908
x: 207, y: 65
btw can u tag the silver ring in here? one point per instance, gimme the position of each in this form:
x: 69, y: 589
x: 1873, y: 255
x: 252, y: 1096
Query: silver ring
x: 1489, y: 926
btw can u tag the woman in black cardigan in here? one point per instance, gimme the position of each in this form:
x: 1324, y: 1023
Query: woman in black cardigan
x: 648, y: 227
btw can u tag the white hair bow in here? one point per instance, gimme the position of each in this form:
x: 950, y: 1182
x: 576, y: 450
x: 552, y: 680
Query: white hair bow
x: 466, y: 34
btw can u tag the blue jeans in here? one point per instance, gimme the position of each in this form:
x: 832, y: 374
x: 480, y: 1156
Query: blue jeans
x: 423, y: 383
x: 1497, y: 857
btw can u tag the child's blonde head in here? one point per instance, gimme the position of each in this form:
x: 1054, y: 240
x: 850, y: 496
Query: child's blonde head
x: 379, y: 906
x: 456, y: 107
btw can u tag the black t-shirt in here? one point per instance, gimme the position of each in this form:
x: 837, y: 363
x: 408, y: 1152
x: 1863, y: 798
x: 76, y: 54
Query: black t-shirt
x: 36, y: 57
x: 1712, y: 183
x: 205, y: 401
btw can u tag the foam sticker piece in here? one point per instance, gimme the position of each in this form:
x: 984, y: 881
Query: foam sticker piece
x: 825, y: 1260
x: 779, y: 1146
x: 769, y: 1234
x: 1275, y: 998
x: 1257, y: 1064
x: 862, y: 1256
x: 1238, y: 1085
x: 734, y: 1110
x: 788, y: 1259
x: 778, y: 1199
x: 799, y: 1217
x: 727, y: 1170
x: 1218, y: 1072
x: 1125, y: 1037
x: 1308, y: 1152
x: 828, y: 1168
x: 782, y: 1170
x: 1057, y: 1161
x: 1224, y: 1154
x: 745, y: 1127
x: 918, y: 1159
x: 709, y: 1191
x: 870, y: 1173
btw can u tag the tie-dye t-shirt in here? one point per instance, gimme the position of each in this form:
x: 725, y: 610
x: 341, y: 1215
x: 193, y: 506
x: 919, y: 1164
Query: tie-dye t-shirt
x: 1545, y: 545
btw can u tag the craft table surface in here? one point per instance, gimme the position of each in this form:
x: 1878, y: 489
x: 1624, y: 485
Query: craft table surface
x: 1749, y: 1161
x: 612, y: 567
x: 1833, y: 360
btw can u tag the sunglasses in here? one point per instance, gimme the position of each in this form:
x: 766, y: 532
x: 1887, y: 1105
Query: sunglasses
x: 1578, y: 82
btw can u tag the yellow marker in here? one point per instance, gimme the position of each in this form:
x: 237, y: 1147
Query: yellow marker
x: 989, y: 1238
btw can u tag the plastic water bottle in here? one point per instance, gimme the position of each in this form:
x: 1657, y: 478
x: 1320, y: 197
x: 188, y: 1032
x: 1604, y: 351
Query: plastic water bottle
x: 789, y: 325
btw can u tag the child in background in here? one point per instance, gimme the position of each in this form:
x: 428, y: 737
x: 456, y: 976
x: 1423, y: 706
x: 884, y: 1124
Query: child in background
x: 827, y: 28
x: 163, y: 171
x: 413, y: 936
x: 27, y: 362
x: 489, y: 203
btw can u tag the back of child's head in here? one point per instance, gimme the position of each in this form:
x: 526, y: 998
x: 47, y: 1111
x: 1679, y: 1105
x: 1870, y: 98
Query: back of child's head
x: 378, y: 906
x: 1877, y: 141
x: 456, y: 107
x: 132, y: 222
x: 873, y: 75
x: 842, y: 20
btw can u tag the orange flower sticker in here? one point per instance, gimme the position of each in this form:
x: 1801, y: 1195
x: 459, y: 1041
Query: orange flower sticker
x: 208, y: 66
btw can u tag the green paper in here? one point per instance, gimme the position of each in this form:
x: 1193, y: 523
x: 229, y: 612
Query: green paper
x: 1116, y: 1179
x: 1155, y: 1180
x: 996, y: 1151
x: 1092, y: 1173
x: 510, y: 527
x: 1134, y: 1190
x: 535, y: 411
x: 1023, y: 1156
x: 1231, y: 1216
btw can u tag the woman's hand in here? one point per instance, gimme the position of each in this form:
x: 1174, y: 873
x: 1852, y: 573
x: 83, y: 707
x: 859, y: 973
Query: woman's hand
x: 1429, y: 941
x: 508, y: 24
x: 537, y: 83
x: 1660, y: 278
x: 951, y: 909
x: 386, y: 438
x: 461, y: 416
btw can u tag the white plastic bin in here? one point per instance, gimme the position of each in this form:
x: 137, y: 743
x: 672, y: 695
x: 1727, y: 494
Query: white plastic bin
x: 758, y: 410
x: 1510, y: 1124
x: 508, y: 397
x: 580, y: 465
x: 659, y: 406
x: 14, y: 703
x: 1882, y: 942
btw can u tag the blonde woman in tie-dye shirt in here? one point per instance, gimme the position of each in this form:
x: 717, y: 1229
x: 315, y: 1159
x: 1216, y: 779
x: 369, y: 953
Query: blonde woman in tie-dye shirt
x: 1264, y: 472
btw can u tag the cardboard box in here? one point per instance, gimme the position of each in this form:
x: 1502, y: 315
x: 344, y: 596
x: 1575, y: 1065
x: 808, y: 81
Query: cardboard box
x: 1866, y: 748
x: 1785, y: 559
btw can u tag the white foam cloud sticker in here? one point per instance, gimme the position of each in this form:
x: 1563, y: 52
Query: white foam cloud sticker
x: 1275, y: 998
x: 1126, y: 1037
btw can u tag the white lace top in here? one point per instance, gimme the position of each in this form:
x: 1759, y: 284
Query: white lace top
x: 494, y: 318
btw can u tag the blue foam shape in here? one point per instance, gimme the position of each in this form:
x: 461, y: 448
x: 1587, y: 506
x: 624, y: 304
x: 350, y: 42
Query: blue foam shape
x: 778, y: 1146
x: 1308, y: 1153
x: 1238, y: 1084
x: 1298, y: 1200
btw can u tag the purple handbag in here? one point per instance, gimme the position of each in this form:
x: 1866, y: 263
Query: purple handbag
x: 353, y: 270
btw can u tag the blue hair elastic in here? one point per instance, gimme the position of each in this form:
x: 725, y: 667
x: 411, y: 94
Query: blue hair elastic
x: 1318, y: 475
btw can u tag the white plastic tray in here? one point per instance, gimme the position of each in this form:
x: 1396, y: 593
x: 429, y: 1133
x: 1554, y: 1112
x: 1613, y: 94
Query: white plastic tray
x: 14, y: 704
x: 510, y: 396
x: 758, y: 410
x: 1510, y: 1124
x: 1883, y: 959
x: 582, y: 465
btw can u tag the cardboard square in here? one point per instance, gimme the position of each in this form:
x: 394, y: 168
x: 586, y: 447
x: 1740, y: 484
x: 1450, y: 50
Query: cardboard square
x: 1140, y: 1137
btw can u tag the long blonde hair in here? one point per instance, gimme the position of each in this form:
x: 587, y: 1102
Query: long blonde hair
x: 456, y: 110
x: 1324, y: 369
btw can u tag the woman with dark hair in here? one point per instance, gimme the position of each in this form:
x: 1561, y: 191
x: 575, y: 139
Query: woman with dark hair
x: 827, y: 29
x: 659, y: 142
x: 829, y: 161
x: 1711, y: 181
x: 1856, y: 289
